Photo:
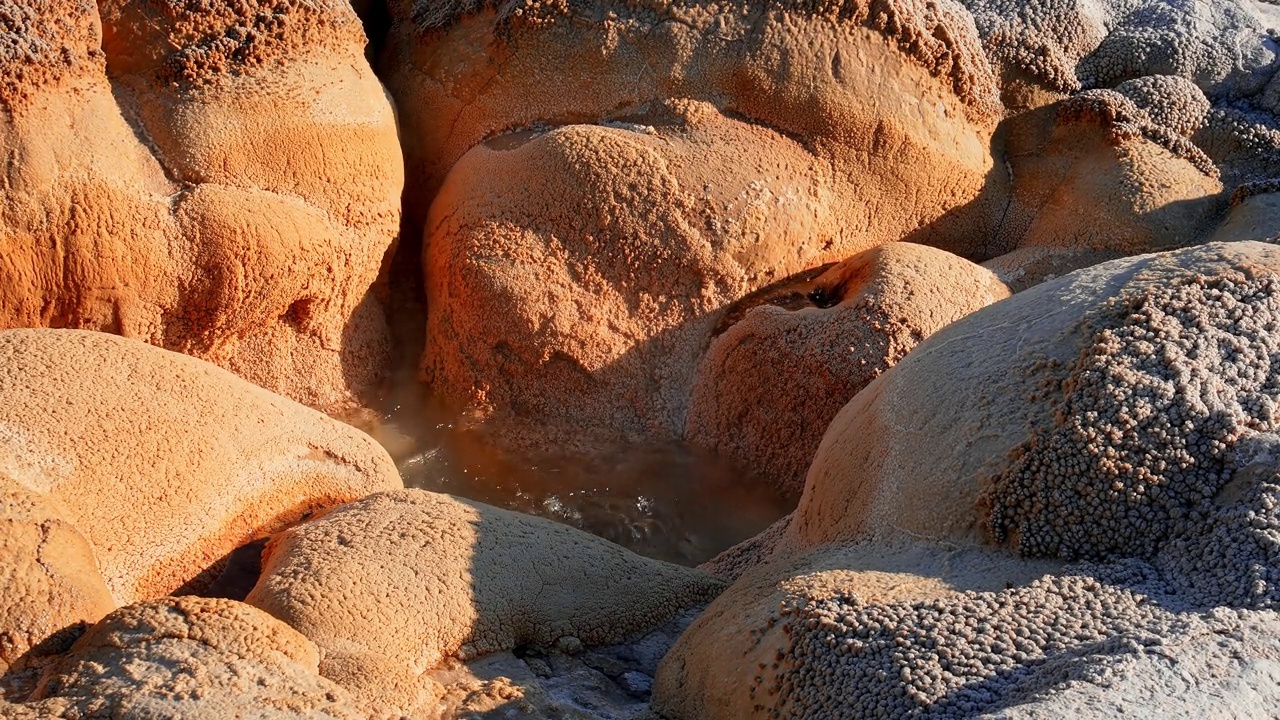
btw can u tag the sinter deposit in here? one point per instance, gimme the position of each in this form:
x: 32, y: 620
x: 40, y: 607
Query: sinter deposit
x: 658, y: 359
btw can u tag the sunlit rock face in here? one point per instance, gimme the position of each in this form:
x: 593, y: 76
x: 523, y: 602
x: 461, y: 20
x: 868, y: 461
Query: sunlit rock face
x: 163, y: 462
x: 941, y: 270
x: 222, y: 181
x: 657, y: 166
x: 662, y: 162
x: 1024, y: 507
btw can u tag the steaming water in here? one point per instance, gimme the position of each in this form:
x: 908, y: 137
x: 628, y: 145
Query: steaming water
x: 669, y: 502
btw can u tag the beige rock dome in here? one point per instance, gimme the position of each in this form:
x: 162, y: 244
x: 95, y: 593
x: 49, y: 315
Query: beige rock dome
x: 166, y: 463
x: 391, y: 585
x: 1094, y: 173
x: 771, y: 382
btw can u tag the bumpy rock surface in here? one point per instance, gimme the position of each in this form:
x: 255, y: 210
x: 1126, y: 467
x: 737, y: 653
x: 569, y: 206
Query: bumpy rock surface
x: 771, y: 382
x: 191, y: 658
x: 1153, y: 52
x: 1066, y: 45
x: 1170, y: 102
x: 558, y: 301
x: 1095, y: 174
x: 391, y: 585
x: 164, y: 462
x: 1170, y: 380
x: 919, y: 629
x: 217, y: 179
x: 581, y: 290
x: 992, y: 390
x: 1124, y: 414
x: 50, y: 587
x: 817, y: 640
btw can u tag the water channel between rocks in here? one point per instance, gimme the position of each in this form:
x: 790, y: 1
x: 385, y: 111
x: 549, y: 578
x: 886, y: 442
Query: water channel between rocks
x: 670, y: 502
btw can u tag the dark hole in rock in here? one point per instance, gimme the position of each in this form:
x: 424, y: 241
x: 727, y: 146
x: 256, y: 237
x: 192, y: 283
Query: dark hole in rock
x: 244, y: 565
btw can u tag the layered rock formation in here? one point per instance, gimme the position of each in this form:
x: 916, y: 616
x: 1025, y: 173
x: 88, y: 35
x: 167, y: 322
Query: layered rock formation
x: 574, y: 298
x: 701, y: 155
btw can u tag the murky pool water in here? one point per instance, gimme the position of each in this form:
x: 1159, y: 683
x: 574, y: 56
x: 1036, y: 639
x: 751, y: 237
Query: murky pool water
x: 670, y: 502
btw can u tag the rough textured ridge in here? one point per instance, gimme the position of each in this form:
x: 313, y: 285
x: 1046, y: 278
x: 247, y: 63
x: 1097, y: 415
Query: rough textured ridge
x: 1149, y: 383
x: 41, y: 45
x: 1067, y: 45
x: 1220, y: 45
x: 1042, y: 41
x: 1205, y: 70
x: 862, y: 316
x: 475, y: 580
x: 927, y: 32
x: 1171, y: 102
x: 165, y: 462
x: 963, y: 654
x: 1252, y: 189
x: 196, y: 43
x: 1123, y: 120
x: 1243, y: 140
x: 192, y: 658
